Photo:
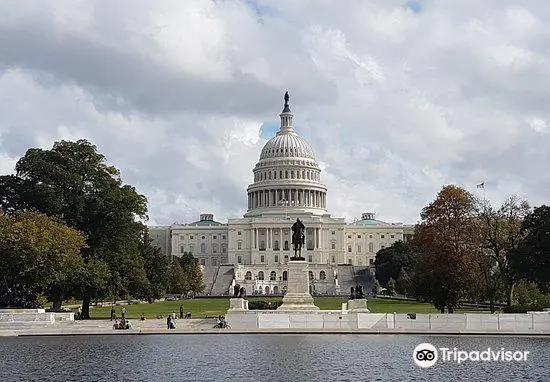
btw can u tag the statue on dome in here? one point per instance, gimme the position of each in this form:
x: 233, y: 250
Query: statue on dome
x: 298, y: 239
x: 286, y: 108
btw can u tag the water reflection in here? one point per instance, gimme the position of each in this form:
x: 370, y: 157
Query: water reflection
x: 259, y: 357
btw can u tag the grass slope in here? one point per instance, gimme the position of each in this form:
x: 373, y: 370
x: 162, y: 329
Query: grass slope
x: 203, y: 307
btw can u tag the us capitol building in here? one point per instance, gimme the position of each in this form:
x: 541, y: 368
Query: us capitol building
x: 254, y: 250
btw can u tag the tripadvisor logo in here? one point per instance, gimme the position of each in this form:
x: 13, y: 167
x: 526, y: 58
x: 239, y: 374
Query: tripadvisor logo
x: 426, y: 355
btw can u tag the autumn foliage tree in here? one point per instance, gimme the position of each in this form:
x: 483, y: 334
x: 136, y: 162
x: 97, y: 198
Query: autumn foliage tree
x: 447, y: 244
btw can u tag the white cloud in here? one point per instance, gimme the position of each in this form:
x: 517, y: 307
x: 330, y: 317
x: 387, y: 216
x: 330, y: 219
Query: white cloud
x: 396, y: 102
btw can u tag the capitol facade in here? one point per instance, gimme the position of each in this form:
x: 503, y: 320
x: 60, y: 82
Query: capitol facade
x: 253, y: 251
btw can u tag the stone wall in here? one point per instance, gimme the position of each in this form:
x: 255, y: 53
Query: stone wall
x: 336, y: 319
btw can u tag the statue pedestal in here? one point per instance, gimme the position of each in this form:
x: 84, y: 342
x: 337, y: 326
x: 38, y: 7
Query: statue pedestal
x: 358, y: 305
x: 297, y: 296
x: 238, y: 305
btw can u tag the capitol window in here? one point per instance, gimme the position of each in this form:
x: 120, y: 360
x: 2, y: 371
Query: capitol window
x: 276, y: 258
x: 239, y: 233
x: 311, y: 277
x: 371, y: 262
x: 310, y: 258
x: 239, y: 245
x: 214, y: 248
x: 203, y: 248
x: 248, y: 275
x: 203, y: 238
x: 334, y: 232
x: 239, y: 259
x: 273, y: 276
x: 349, y: 248
x: 333, y: 245
x: 392, y: 236
x: 359, y: 236
x: 286, y: 245
x: 224, y: 248
x: 215, y: 237
x: 358, y: 248
x: 182, y: 249
x: 371, y: 247
x: 276, y: 245
x: 191, y: 237
x: 382, y: 236
x: 262, y: 259
x: 333, y: 259
x: 285, y: 275
x: 322, y: 275
x: 260, y: 275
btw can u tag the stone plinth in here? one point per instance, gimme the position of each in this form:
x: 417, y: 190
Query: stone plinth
x: 358, y: 305
x: 238, y: 305
x: 297, y: 297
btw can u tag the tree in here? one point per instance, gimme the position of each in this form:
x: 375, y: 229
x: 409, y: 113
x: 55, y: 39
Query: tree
x: 194, y: 277
x: 403, y: 283
x: 177, y: 280
x: 391, y: 260
x: 446, y: 242
x: 376, y: 288
x: 530, y: 260
x: 38, y: 255
x: 391, y: 287
x: 500, y: 234
x: 73, y: 181
x: 156, y: 266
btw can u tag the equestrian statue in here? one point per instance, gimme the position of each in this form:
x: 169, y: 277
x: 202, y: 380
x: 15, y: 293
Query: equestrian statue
x: 298, y: 239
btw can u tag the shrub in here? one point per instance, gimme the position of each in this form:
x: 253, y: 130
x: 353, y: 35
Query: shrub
x: 264, y: 305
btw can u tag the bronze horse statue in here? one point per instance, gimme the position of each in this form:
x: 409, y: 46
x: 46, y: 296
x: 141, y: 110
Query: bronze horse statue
x: 298, y: 238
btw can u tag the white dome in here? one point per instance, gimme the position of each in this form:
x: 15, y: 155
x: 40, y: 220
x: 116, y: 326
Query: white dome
x: 287, y: 144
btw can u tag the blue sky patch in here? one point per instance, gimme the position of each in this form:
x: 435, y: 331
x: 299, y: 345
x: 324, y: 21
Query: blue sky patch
x: 413, y: 5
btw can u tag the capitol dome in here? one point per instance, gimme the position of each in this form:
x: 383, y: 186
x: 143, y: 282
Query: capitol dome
x: 287, y: 144
x: 287, y: 176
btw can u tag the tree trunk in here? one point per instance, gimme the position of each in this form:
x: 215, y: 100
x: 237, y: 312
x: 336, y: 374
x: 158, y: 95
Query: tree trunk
x: 510, y: 294
x: 492, y: 305
x: 56, y: 303
x: 86, y: 306
x: 442, y: 310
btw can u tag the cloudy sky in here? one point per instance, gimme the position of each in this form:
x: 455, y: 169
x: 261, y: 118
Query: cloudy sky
x: 397, y: 97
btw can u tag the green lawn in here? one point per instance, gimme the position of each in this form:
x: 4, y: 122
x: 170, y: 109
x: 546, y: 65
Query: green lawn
x: 202, y: 307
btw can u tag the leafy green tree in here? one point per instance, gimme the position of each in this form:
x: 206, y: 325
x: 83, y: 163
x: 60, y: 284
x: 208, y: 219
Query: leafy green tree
x: 447, y: 243
x: 376, y: 288
x: 194, y: 277
x: 156, y: 265
x: 177, y: 280
x: 391, y: 260
x: 391, y: 287
x: 500, y: 233
x: 73, y: 181
x: 38, y: 255
x: 531, y: 259
x: 403, y: 284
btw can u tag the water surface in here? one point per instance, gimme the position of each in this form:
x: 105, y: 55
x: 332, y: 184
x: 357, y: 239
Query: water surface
x: 257, y: 357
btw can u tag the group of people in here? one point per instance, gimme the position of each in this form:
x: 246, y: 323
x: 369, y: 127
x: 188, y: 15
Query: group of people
x: 222, y: 323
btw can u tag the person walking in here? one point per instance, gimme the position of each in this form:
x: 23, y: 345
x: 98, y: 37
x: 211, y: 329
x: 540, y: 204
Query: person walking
x: 181, y: 311
x: 123, y: 312
x: 113, y: 313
